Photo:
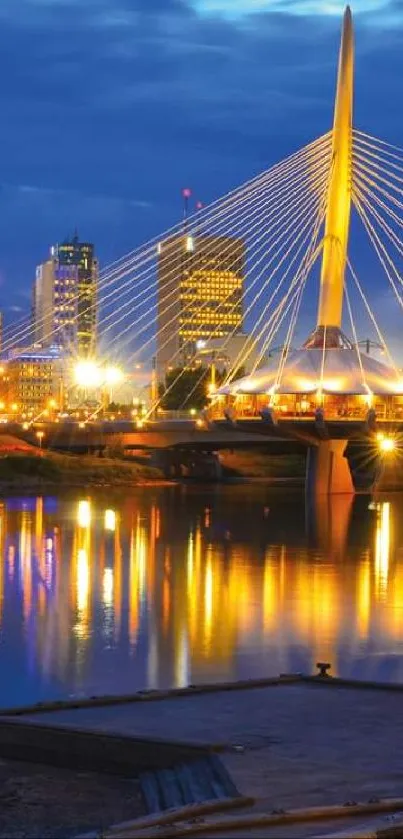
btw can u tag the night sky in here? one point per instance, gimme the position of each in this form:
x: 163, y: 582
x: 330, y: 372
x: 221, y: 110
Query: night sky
x: 110, y: 107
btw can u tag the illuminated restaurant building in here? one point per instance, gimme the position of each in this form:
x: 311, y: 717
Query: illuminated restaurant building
x: 200, y: 295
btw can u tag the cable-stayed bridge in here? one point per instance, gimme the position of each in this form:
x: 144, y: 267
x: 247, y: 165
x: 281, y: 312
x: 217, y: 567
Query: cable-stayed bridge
x: 295, y: 221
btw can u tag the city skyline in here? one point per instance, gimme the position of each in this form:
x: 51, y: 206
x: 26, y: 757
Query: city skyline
x: 214, y: 138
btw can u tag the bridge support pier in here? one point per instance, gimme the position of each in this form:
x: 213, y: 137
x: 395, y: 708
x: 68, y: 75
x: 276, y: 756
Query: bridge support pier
x: 177, y: 464
x: 327, y: 469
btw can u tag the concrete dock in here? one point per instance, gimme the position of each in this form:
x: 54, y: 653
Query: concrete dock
x: 288, y: 745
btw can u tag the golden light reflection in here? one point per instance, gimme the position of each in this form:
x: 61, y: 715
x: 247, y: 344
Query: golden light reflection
x: 83, y: 581
x: 3, y: 524
x: 26, y: 561
x: 201, y: 605
x: 382, y: 548
x: 107, y: 587
x: 84, y: 513
x: 110, y: 520
x: 364, y: 597
x: 134, y: 592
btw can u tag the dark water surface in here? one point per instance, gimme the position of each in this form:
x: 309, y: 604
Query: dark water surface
x: 160, y: 586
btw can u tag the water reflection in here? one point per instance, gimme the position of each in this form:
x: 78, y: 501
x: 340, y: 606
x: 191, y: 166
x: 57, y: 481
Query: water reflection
x: 176, y: 585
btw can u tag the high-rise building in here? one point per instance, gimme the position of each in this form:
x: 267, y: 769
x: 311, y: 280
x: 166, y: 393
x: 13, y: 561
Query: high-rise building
x: 65, y: 298
x: 200, y: 295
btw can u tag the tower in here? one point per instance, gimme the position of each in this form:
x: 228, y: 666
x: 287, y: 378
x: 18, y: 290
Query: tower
x: 65, y: 298
x: 338, y: 206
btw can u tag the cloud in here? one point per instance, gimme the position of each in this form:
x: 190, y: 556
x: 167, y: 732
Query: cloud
x: 110, y: 106
x: 234, y: 9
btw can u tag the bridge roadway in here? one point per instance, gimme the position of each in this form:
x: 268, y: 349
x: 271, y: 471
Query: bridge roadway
x: 342, y: 454
x: 288, y: 435
x: 175, y: 434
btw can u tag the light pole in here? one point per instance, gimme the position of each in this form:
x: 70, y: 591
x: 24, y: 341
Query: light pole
x: 367, y: 343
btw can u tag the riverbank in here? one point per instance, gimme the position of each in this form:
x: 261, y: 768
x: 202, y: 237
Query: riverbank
x: 51, y: 468
x: 38, y: 468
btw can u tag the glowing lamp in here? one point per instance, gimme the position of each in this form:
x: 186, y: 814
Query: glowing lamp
x: 186, y: 192
x: 87, y: 374
x: 113, y: 375
x: 387, y: 445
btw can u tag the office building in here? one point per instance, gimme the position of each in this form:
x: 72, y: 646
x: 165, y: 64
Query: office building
x: 34, y: 379
x: 200, y: 295
x: 65, y: 298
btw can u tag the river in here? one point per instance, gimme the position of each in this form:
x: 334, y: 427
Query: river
x: 166, y: 586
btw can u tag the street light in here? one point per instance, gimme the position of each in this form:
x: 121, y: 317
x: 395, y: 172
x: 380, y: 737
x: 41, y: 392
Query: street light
x: 40, y: 435
x: 386, y: 445
x: 87, y: 374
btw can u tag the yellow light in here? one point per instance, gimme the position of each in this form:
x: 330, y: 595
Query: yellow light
x: 108, y: 587
x: 40, y: 435
x: 52, y: 403
x: 81, y: 424
x: 192, y: 412
x: 332, y: 384
x: 110, y: 520
x: 87, y: 374
x: 199, y: 423
x: 387, y: 444
x: 113, y: 375
x: 139, y: 423
x: 2, y: 406
x: 84, y: 513
x: 380, y: 436
x: 83, y: 579
x: 25, y: 426
x: 14, y: 407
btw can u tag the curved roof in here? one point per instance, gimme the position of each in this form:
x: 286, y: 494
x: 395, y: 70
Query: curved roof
x: 343, y: 373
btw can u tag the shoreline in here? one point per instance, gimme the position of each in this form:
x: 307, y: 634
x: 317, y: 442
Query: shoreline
x: 37, y: 484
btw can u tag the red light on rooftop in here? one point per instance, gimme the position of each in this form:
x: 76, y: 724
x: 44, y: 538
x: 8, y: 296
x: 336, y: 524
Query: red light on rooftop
x: 186, y: 193
x: 199, y: 205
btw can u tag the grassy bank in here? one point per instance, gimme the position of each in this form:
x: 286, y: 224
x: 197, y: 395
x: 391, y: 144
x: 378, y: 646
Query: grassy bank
x: 72, y: 470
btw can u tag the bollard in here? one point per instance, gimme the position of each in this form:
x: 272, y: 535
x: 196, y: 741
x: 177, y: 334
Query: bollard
x: 323, y: 667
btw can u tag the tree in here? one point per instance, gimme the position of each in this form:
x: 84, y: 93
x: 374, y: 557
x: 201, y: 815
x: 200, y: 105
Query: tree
x: 179, y: 384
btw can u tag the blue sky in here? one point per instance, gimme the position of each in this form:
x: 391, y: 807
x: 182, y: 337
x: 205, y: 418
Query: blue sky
x: 109, y: 107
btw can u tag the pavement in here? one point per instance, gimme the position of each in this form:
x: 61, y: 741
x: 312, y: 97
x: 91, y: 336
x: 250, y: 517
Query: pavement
x: 288, y: 746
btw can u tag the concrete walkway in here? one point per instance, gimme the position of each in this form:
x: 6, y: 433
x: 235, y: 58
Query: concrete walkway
x: 291, y: 745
